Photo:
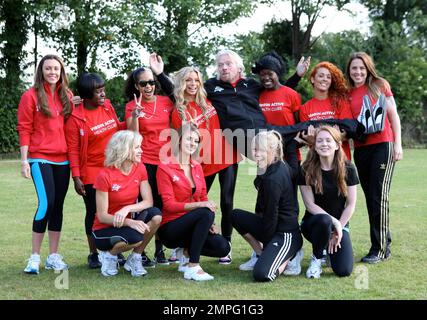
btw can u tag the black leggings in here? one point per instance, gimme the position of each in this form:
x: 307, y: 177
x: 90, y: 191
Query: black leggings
x: 51, y: 183
x: 317, y: 229
x: 227, y: 182
x: 151, y: 172
x: 107, y: 238
x: 90, y: 204
x: 283, y: 245
x: 191, y: 231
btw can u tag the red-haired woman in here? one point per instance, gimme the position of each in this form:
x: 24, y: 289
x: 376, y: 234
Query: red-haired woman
x: 375, y: 158
x: 330, y: 99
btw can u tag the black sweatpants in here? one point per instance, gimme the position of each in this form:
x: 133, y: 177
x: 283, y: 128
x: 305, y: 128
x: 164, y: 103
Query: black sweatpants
x: 283, y: 245
x: 227, y: 182
x: 192, y: 231
x: 51, y: 183
x: 317, y: 229
x: 375, y: 167
x: 90, y: 204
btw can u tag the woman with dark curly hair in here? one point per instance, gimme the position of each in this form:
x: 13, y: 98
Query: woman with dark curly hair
x: 330, y: 99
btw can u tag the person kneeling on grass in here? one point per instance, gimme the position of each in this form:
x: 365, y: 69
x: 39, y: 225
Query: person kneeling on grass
x: 328, y: 185
x: 117, y: 188
x: 273, y: 232
x: 188, y: 215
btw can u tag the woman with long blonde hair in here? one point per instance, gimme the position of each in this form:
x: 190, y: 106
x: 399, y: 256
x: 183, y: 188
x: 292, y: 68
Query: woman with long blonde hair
x: 217, y: 155
x: 328, y: 185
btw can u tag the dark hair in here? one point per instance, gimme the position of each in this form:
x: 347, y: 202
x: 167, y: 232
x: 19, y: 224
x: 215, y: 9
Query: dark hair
x: 271, y: 61
x: 132, y: 81
x: 88, y: 83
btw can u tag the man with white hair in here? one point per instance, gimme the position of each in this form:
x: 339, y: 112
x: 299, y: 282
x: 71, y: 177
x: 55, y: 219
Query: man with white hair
x: 234, y: 96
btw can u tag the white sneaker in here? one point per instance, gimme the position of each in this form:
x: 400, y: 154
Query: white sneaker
x: 191, y: 273
x: 293, y: 268
x: 173, y: 258
x: 183, y: 260
x: 250, y: 264
x: 134, y: 265
x: 315, y: 268
x: 55, y: 261
x: 109, y: 264
x: 227, y: 259
x: 33, y: 265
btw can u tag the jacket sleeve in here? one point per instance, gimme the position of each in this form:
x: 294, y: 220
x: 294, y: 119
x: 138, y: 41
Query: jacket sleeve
x: 293, y: 81
x: 167, y: 85
x: 291, y: 158
x: 72, y: 135
x: 25, y: 125
x: 270, y: 192
x: 165, y: 187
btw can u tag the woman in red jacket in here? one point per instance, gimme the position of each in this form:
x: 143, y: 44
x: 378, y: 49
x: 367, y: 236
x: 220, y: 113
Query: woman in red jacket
x: 188, y: 215
x: 41, y: 115
x: 218, y: 156
x: 90, y: 127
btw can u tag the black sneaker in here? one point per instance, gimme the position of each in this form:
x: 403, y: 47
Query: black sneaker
x: 159, y: 258
x: 146, y: 261
x: 121, y: 259
x: 372, y: 258
x: 93, y: 261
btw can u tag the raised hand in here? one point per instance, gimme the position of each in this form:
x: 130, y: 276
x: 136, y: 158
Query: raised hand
x: 156, y: 63
x: 138, y: 112
x: 303, y: 65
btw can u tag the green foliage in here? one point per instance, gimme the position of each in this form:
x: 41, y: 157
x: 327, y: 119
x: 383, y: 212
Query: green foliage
x: 8, y: 135
x: 183, y: 31
x: 114, y: 89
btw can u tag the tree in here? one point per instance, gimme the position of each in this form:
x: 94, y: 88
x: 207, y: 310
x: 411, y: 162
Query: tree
x: 13, y: 38
x: 79, y: 28
x: 182, y: 31
x: 301, y: 39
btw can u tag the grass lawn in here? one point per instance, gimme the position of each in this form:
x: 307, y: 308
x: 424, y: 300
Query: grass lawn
x: 402, y: 277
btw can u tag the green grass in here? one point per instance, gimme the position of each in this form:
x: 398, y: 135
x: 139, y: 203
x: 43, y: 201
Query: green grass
x: 402, y: 277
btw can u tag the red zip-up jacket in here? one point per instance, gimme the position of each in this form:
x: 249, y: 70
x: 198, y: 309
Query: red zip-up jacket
x: 175, y: 189
x: 44, y: 136
x: 77, y: 137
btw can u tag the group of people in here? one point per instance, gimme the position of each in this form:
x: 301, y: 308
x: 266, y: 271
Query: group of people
x: 149, y: 176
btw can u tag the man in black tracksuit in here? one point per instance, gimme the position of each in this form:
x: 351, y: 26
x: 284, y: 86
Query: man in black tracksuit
x: 235, y: 99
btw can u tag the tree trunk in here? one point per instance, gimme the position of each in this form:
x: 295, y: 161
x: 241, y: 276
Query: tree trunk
x: 15, y: 37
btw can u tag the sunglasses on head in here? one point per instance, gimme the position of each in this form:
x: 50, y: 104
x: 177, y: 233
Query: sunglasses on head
x: 144, y: 83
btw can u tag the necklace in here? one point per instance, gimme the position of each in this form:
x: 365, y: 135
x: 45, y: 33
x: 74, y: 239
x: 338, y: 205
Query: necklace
x: 143, y: 114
